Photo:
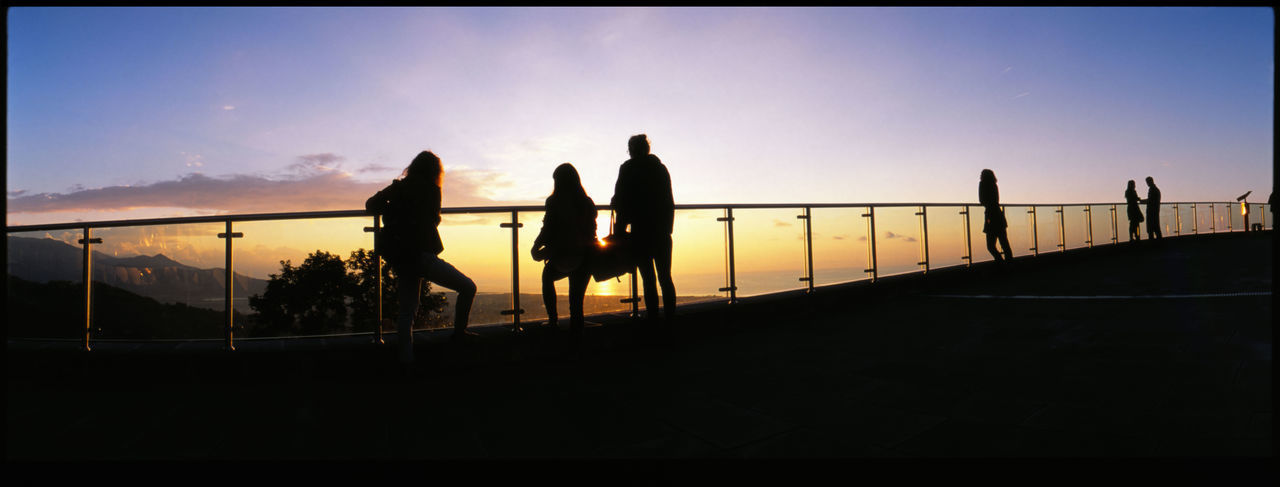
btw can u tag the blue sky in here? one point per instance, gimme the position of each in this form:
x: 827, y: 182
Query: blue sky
x: 138, y: 112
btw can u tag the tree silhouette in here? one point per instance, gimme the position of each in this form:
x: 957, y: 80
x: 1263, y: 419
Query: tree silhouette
x: 363, y: 264
x: 313, y: 298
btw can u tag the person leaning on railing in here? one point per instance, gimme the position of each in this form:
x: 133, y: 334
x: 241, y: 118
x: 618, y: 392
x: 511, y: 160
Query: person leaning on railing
x: 566, y: 243
x: 410, y: 242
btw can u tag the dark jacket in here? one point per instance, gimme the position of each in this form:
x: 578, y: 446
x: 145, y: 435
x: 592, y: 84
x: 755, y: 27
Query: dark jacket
x: 642, y: 197
x: 1131, y: 196
x: 410, y: 219
x: 989, y: 197
x: 568, y: 231
x: 1153, y: 200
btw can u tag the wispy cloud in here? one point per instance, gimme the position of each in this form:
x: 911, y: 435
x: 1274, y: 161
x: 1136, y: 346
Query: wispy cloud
x: 780, y: 223
x: 1020, y: 95
x: 313, y: 163
x: 193, y: 160
x: 377, y: 168
x: 1006, y: 70
x: 905, y: 238
x: 228, y: 107
x: 17, y: 193
x: 322, y: 190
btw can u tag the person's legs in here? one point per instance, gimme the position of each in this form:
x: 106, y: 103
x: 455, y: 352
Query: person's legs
x: 549, y: 276
x: 991, y: 247
x: 409, y: 293
x: 662, y: 261
x: 644, y: 262
x: 1004, y: 242
x: 577, y: 294
x: 444, y: 274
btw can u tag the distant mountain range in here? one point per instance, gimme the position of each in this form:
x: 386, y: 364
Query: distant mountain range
x: 156, y: 276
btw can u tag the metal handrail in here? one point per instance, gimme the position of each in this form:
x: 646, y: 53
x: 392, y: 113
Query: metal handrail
x: 307, y: 215
x: 514, y: 210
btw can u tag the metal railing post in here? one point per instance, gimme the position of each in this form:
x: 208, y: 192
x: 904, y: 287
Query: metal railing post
x: 1115, y: 232
x: 807, y: 216
x: 87, y: 242
x: 1177, y: 221
x: 870, y: 215
x: 1213, y: 219
x: 634, y: 300
x: 230, y: 236
x: 924, y: 238
x: 1035, y: 236
x: 732, y: 288
x: 515, y: 310
x: 1262, y: 216
x: 1088, y: 223
x: 1195, y: 220
x: 377, y: 267
x: 968, y: 242
x: 1230, y: 227
x: 1062, y: 229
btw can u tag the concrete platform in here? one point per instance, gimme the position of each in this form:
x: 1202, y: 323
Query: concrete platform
x: 1142, y: 352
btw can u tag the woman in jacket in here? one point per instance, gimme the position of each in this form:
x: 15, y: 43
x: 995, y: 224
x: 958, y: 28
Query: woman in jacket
x: 410, y: 207
x: 1135, y: 213
x: 568, y: 235
x: 995, y: 225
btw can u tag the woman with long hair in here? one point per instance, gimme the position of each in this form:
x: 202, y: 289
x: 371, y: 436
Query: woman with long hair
x: 1135, y: 213
x: 995, y: 226
x: 568, y: 235
x: 410, y: 207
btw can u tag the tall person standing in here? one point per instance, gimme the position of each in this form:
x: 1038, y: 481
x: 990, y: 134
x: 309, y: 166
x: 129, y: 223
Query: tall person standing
x: 1153, y: 210
x: 642, y: 198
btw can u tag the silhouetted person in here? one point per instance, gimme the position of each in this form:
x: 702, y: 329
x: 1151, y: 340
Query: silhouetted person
x: 1135, y: 213
x: 567, y: 238
x: 1153, y: 210
x: 994, y: 225
x: 642, y: 198
x: 411, y: 216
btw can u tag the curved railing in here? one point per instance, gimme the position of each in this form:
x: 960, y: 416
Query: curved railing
x: 753, y: 238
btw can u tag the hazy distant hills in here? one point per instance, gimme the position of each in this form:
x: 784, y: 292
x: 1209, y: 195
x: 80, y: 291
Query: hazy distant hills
x: 156, y: 276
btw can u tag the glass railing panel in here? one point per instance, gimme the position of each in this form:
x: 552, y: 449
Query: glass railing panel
x: 1233, y: 215
x: 897, y: 240
x: 1076, y: 232
x: 1203, y: 218
x: 699, y: 267
x: 1102, y: 230
x: 1168, y: 221
x: 1022, y: 235
x: 768, y: 250
x: 977, y: 218
x: 1220, y: 217
x: 1185, y: 220
x: 44, y: 295
x: 1047, y: 229
x: 314, y: 296
x: 839, y: 245
x: 165, y: 282
x: 480, y: 247
x: 946, y: 236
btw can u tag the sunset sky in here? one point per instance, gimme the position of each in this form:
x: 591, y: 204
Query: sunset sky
x: 182, y: 111
x: 118, y: 113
